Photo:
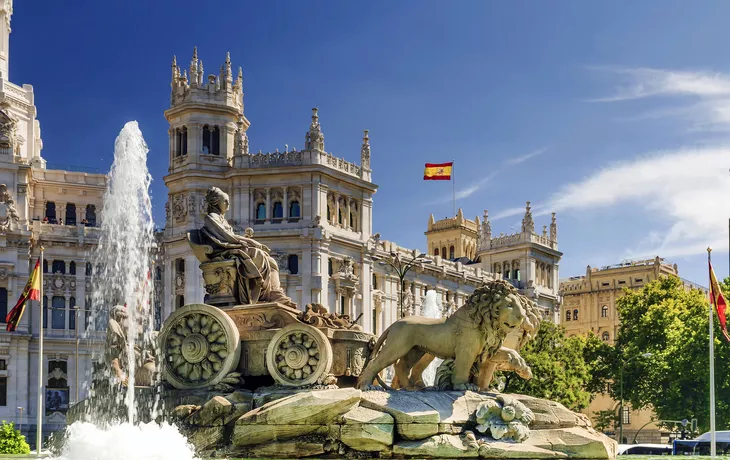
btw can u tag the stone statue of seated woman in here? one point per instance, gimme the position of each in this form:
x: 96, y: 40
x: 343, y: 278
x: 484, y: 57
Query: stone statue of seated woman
x: 257, y: 274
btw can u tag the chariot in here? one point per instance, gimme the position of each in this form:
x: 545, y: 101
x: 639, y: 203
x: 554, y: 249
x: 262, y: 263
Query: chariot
x: 202, y: 344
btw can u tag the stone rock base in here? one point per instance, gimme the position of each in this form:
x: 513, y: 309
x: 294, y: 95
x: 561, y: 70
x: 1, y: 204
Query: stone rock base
x: 350, y: 423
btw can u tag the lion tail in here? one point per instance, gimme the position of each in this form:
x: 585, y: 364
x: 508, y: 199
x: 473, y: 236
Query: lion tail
x: 373, y: 353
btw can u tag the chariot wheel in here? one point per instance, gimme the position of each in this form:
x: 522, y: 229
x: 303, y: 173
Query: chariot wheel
x: 200, y: 345
x: 299, y: 355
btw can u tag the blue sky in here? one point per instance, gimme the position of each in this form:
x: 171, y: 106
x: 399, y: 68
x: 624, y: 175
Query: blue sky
x: 615, y: 115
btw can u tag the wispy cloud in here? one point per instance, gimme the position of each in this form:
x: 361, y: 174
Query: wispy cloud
x: 687, y: 189
x: 682, y: 191
x: 521, y: 159
x: 474, y: 187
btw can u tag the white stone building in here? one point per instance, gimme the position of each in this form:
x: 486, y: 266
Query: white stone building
x: 58, y: 208
x: 313, y: 209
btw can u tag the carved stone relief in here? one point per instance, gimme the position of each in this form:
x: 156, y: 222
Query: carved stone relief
x: 179, y: 210
x: 8, y: 213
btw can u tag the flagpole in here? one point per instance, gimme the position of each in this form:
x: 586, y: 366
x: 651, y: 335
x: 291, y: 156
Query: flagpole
x: 453, y: 186
x: 713, y: 447
x: 39, y: 432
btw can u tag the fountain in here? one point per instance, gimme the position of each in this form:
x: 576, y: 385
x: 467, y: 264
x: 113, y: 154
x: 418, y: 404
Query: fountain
x: 432, y: 308
x: 251, y: 375
x: 124, y: 391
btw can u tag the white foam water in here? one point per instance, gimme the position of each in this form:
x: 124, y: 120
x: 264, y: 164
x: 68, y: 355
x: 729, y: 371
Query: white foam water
x: 149, y: 441
x: 431, y: 309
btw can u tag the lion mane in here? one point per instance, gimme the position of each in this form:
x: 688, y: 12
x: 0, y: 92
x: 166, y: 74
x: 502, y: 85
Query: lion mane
x: 483, y: 306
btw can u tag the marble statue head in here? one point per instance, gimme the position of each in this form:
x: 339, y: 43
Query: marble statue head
x: 216, y: 201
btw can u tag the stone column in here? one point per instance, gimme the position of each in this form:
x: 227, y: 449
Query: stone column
x: 366, y: 289
x: 347, y: 214
x: 336, y: 217
x: 194, y: 291
x: 285, y: 203
x: 269, y: 213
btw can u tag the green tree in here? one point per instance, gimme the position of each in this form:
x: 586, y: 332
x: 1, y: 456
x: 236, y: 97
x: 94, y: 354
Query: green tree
x: 560, y: 372
x: 671, y: 323
x: 605, y: 419
x: 11, y: 441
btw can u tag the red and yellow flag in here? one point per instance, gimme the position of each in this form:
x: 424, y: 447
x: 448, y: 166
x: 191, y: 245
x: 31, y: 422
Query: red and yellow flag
x: 438, y: 171
x: 32, y: 291
x: 718, y: 300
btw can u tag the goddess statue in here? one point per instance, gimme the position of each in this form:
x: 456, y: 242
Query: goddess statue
x: 257, y: 277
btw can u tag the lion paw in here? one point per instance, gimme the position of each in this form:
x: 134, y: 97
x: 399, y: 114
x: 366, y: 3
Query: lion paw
x: 466, y: 387
x: 372, y: 388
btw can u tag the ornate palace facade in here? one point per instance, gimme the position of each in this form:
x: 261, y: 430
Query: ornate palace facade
x: 315, y: 211
x: 58, y: 208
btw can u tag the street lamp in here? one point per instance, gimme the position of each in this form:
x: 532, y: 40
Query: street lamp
x: 21, y: 409
x: 621, y: 394
x: 402, y: 267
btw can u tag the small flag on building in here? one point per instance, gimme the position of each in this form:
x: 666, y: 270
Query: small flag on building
x: 718, y: 300
x: 438, y: 171
x: 32, y: 291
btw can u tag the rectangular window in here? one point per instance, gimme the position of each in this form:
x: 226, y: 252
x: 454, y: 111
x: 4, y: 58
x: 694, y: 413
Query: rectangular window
x: 639, y: 280
x: 3, y: 304
x: 622, y: 282
x: 608, y: 284
x: 627, y: 415
x: 3, y: 391
x: 58, y: 314
x: 3, y: 365
x: 342, y: 305
x: 72, y: 313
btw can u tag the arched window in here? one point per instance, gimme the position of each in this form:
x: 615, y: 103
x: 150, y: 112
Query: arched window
x: 216, y: 141
x: 180, y: 301
x: 294, y: 210
x: 72, y: 268
x: 293, y: 264
x: 517, y: 274
x: 88, y: 269
x: 329, y: 213
x: 567, y: 315
x: 72, y: 313
x: 451, y: 252
x: 58, y: 315
x: 606, y: 336
x: 58, y: 266
x: 70, y: 214
x: 261, y: 211
x: 339, y: 216
x: 91, y: 215
x: 352, y: 220
x: 604, y: 311
x: 184, y: 144
x: 178, y: 142
x: 278, y: 210
x: 180, y: 266
x: 436, y: 251
x: 51, y: 212
x: 443, y: 252
x: 206, y: 140
x: 158, y: 274
x: 575, y: 315
x: 329, y: 267
x: 45, y: 265
x: 375, y: 281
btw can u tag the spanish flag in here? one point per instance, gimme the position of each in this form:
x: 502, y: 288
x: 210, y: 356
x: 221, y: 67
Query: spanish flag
x: 438, y: 171
x: 718, y: 300
x: 32, y: 291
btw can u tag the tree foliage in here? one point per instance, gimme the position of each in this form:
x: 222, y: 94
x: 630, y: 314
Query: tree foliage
x: 672, y: 324
x: 11, y: 441
x: 565, y: 369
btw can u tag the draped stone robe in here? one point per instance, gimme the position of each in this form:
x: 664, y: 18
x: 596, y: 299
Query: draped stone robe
x: 258, y: 273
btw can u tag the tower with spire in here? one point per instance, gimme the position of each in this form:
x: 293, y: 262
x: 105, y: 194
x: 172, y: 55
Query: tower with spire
x: 206, y: 115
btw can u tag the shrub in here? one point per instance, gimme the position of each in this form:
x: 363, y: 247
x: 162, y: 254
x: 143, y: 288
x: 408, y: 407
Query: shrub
x: 11, y: 441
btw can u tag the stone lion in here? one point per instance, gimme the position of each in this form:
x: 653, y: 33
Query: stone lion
x: 474, y: 333
x: 504, y: 360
